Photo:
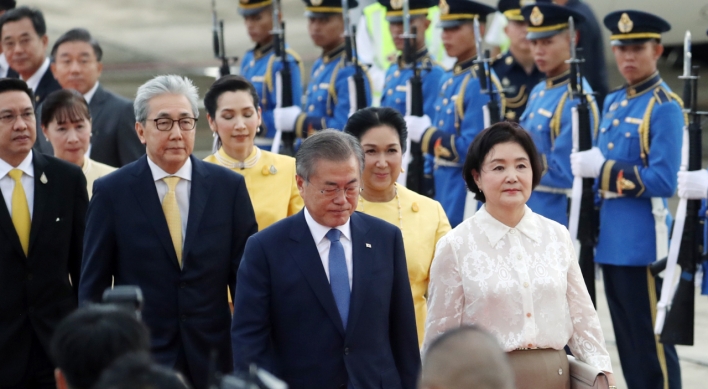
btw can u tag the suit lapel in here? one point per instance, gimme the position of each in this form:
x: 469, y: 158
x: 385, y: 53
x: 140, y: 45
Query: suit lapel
x: 304, y: 252
x: 41, y: 196
x: 146, y: 195
x: 361, y: 264
x: 199, y: 194
x: 97, y: 105
x: 9, y: 228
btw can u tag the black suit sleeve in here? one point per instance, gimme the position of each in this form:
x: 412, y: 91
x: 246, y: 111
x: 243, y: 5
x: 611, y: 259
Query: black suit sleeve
x: 99, y: 247
x: 402, y: 328
x: 244, y: 226
x: 129, y: 146
x: 77, y: 231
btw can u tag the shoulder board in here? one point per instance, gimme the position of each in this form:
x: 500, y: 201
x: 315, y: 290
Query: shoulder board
x: 294, y: 54
x: 662, y: 95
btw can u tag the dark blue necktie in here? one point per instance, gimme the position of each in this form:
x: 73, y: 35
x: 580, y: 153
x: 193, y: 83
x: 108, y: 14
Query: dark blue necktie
x: 338, y: 275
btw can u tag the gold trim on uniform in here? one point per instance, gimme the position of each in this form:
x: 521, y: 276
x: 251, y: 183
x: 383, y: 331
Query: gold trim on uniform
x: 244, y: 4
x: 446, y: 17
x: 514, y: 14
x: 638, y: 35
x: 605, y: 177
x: 423, y: 11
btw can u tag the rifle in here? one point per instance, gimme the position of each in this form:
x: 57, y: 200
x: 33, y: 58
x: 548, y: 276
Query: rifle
x: 218, y: 42
x: 582, y: 206
x: 676, y: 308
x: 286, y: 81
x: 492, y: 113
x: 350, y: 53
x: 416, y: 167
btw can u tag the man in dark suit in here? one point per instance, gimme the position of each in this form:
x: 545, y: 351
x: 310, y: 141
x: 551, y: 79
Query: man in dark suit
x: 41, y: 231
x: 176, y: 227
x: 23, y: 34
x: 76, y: 64
x: 323, y: 298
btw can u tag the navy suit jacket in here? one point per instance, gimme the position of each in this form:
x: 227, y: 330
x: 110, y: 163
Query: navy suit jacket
x: 127, y: 238
x: 113, y: 137
x: 47, y: 84
x: 286, y: 320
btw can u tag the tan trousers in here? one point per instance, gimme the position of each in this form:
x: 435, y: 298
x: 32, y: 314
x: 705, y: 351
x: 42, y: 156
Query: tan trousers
x: 540, y: 369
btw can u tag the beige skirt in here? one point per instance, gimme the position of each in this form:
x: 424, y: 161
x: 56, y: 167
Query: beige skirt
x: 540, y: 368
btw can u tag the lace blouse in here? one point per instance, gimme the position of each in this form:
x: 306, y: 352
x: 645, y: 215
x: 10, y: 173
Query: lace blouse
x: 522, y: 284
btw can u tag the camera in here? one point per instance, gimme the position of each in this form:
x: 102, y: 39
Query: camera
x: 127, y: 297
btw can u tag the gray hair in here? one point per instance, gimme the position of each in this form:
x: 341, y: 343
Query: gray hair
x: 329, y: 145
x: 160, y: 85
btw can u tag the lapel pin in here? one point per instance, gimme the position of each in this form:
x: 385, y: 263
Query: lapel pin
x: 273, y: 170
x: 368, y: 245
x: 43, y: 179
x: 58, y: 219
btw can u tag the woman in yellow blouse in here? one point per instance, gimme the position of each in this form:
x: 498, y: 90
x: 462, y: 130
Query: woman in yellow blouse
x: 235, y: 118
x: 66, y: 123
x: 382, y: 133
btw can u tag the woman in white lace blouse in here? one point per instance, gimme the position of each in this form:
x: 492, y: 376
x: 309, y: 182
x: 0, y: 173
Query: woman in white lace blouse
x: 514, y: 272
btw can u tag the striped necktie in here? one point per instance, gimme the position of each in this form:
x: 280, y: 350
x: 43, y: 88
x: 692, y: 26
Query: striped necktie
x: 20, y: 210
x: 172, y: 215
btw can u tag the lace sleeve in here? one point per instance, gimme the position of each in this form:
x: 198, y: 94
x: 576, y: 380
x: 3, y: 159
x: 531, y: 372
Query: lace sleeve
x: 446, y: 298
x: 587, y: 342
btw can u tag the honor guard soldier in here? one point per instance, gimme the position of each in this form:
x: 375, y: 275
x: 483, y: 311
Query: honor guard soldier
x: 331, y: 93
x: 459, y: 108
x: 636, y: 161
x: 398, y: 75
x: 260, y: 64
x: 548, y: 114
x: 515, y: 68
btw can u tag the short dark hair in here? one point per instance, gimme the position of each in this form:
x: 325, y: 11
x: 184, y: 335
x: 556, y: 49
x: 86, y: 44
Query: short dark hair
x: 230, y: 83
x: 64, y: 105
x: 33, y: 14
x: 92, y: 338
x: 138, y: 371
x: 327, y: 145
x: 501, y: 132
x: 365, y: 119
x: 6, y: 5
x: 15, y: 84
x: 77, y: 35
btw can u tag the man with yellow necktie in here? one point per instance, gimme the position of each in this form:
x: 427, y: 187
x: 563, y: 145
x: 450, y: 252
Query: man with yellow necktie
x: 176, y: 227
x: 41, y: 233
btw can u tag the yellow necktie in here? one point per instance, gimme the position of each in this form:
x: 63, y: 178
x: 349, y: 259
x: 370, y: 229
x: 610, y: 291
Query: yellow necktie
x: 20, y: 210
x: 172, y: 215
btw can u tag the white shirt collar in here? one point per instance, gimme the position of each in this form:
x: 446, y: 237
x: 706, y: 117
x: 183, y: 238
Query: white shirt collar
x: 319, y: 231
x: 33, y: 81
x: 185, y: 172
x: 495, y: 230
x: 89, y: 95
x: 4, y: 66
x: 27, y: 166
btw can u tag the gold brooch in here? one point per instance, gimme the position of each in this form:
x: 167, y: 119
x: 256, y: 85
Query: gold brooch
x: 536, y: 17
x: 625, y: 24
x: 415, y: 207
x: 265, y: 171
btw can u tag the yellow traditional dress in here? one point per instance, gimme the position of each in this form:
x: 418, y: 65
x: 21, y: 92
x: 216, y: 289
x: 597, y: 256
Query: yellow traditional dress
x: 270, y: 180
x: 94, y: 170
x: 423, y: 222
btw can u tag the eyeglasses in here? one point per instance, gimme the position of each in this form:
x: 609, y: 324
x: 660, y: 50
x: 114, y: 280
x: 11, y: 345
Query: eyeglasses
x: 165, y: 124
x: 349, y: 192
x: 11, y: 117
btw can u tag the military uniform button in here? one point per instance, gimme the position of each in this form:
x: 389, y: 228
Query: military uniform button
x: 531, y: 115
x: 541, y: 93
x: 398, y: 101
x: 445, y: 101
x: 314, y: 88
x: 319, y: 98
x: 389, y: 92
x: 449, y: 111
x: 603, y: 129
x: 610, y: 146
x: 311, y: 108
x: 396, y: 73
x: 440, y: 123
x: 616, y: 122
x: 623, y: 103
x: 539, y: 127
x: 627, y: 134
x: 437, y: 108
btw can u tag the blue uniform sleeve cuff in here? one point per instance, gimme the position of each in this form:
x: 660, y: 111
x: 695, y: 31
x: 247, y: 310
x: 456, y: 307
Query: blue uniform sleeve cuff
x: 440, y: 144
x: 622, y: 178
x: 308, y: 125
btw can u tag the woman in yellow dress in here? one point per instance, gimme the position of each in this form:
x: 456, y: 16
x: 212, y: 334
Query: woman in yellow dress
x: 382, y: 133
x: 235, y: 118
x: 66, y: 123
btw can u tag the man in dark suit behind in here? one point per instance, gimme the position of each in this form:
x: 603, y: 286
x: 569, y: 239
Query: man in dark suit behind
x: 23, y: 34
x: 175, y: 226
x: 323, y: 298
x: 76, y: 64
x: 41, y: 231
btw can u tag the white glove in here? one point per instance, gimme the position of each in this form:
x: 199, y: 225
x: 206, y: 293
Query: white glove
x: 587, y: 163
x: 284, y: 118
x: 693, y: 185
x: 417, y: 126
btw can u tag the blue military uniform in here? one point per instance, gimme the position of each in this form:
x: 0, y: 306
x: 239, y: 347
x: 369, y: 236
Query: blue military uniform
x: 516, y: 82
x: 640, y: 137
x: 548, y: 117
x: 329, y: 99
x: 259, y: 66
x: 458, y: 116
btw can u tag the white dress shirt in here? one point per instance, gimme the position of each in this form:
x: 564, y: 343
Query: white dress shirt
x: 319, y: 233
x: 182, y: 190
x: 89, y: 95
x: 7, y: 184
x: 521, y: 284
x: 4, y: 66
x: 33, y: 81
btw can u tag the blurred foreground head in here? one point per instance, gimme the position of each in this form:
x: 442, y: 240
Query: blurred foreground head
x: 138, y: 371
x: 466, y: 358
